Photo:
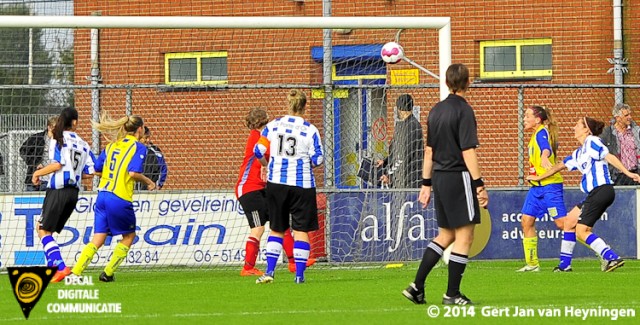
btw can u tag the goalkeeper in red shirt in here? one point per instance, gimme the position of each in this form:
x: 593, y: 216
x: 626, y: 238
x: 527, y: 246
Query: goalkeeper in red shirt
x: 250, y: 191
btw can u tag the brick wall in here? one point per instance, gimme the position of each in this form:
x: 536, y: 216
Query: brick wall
x: 202, y: 132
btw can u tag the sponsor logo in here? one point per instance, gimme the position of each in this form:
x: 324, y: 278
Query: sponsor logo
x: 28, y: 285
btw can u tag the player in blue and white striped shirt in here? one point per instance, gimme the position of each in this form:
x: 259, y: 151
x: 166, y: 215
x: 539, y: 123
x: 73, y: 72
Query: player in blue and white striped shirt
x: 591, y: 160
x: 69, y: 158
x: 294, y: 147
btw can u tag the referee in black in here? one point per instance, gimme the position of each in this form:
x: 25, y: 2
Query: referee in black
x: 451, y: 166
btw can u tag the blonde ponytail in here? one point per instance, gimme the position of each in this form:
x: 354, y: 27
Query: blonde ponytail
x: 116, y: 130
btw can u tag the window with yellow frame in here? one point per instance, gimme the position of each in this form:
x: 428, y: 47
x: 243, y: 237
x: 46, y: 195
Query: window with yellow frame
x: 516, y: 59
x: 196, y: 68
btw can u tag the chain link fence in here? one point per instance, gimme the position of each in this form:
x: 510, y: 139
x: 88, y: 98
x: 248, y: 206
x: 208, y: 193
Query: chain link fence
x: 202, y: 136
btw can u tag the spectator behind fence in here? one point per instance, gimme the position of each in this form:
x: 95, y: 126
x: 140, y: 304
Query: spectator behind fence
x: 154, y: 165
x: 406, y: 151
x: 622, y: 138
x: 34, y: 151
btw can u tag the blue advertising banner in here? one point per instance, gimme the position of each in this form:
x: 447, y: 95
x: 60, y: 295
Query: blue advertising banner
x: 617, y: 226
x: 377, y: 227
x: 367, y: 227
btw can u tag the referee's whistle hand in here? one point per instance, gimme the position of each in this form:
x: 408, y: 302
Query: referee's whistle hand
x: 483, y: 198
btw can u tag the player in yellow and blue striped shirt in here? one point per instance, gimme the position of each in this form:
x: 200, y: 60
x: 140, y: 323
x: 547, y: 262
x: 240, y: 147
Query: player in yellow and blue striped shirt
x: 121, y: 164
x: 545, y: 196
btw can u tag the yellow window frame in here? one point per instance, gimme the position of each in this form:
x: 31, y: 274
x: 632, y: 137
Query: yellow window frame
x: 198, y: 56
x: 518, y: 73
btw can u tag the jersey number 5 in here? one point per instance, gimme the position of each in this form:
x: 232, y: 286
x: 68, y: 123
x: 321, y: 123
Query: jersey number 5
x: 75, y: 157
x: 114, y: 160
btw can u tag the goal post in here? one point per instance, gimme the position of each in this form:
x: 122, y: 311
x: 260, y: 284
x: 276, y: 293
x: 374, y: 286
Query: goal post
x: 193, y: 80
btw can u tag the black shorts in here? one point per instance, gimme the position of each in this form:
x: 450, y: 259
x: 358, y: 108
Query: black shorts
x: 57, y: 208
x: 299, y: 203
x: 596, y: 203
x: 454, y: 199
x: 255, y: 208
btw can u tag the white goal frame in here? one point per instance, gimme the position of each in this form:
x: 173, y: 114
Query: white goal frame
x: 443, y: 24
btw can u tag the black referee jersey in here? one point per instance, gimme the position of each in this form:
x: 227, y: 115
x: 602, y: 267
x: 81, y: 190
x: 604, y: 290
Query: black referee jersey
x: 452, y: 128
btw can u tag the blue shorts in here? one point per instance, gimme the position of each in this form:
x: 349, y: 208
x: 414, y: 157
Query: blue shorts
x: 545, y: 199
x: 113, y: 215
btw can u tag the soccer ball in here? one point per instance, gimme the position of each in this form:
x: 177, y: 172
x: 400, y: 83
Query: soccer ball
x: 392, y: 52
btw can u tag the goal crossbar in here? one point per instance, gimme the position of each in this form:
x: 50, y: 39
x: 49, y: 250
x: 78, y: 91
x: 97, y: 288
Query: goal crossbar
x: 244, y: 22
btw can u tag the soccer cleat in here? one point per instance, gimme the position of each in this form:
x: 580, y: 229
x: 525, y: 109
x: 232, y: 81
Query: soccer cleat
x: 299, y: 279
x: 614, y: 264
x: 311, y: 261
x: 458, y: 299
x: 292, y: 266
x: 412, y: 293
x: 567, y: 269
x: 265, y: 278
x: 529, y: 268
x: 251, y: 272
x: 105, y: 278
x: 60, y: 275
x: 603, y: 265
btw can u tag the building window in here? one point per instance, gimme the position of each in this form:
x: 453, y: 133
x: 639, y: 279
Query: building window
x: 196, y: 68
x: 516, y: 59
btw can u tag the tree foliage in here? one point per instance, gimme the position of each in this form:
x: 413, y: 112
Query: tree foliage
x: 14, y: 66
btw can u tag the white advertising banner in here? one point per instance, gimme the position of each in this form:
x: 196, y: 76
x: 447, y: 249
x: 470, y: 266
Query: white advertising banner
x: 194, y: 229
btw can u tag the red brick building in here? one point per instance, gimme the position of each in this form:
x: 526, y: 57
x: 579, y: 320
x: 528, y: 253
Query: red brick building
x: 201, y: 130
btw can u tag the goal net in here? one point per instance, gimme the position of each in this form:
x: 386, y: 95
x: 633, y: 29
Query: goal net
x: 193, y: 80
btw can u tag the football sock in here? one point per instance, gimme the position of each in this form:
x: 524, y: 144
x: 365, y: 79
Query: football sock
x: 119, y: 254
x: 287, y: 245
x: 566, y: 249
x: 530, y: 245
x: 252, y: 248
x: 274, y: 248
x: 587, y: 246
x: 85, y: 258
x: 301, y: 252
x: 52, y: 252
x: 599, y: 246
x: 457, y: 264
x: 429, y: 259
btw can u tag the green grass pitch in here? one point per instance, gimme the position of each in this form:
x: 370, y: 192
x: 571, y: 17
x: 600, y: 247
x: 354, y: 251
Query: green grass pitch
x: 349, y: 295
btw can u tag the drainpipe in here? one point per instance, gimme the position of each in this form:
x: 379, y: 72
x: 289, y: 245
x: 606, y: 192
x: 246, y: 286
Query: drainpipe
x: 618, y: 61
x: 95, y: 92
